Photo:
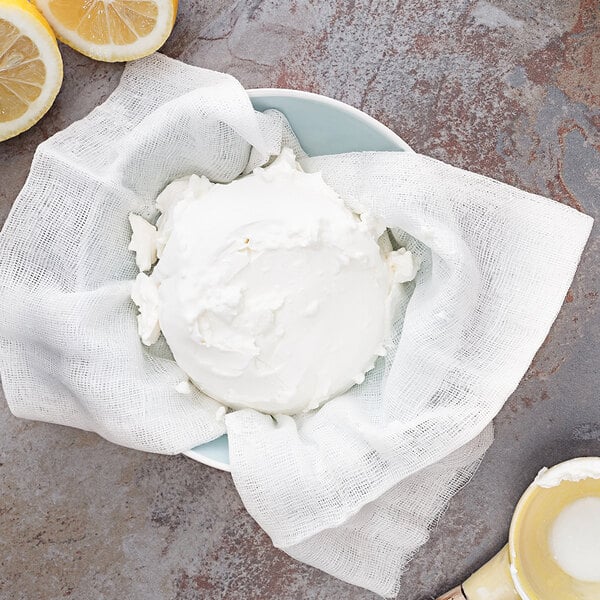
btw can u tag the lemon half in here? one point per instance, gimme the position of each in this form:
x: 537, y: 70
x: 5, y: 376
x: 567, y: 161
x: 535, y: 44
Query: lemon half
x: 31, y: 69
x: 111, y: 30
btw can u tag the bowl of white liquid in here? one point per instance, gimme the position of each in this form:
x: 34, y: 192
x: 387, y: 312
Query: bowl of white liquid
x: 323, y: 126
x: 553, y: 550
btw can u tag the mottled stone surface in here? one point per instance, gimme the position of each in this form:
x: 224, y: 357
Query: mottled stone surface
x: 506, y: 88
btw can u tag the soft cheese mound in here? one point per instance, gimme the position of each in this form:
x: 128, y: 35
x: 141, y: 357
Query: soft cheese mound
x: 271, y: 293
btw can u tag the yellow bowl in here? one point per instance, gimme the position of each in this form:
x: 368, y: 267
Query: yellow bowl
x: 536, y: 574
x: 525, y: 569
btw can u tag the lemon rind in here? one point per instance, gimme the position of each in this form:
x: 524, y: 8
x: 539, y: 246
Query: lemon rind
x: 30, y: 26
x: 113, y: 52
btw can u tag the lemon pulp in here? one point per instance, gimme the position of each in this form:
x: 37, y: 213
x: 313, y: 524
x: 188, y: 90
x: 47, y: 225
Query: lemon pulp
x: 111, y: 30
x: 22, y: 72
x: 30, y: 67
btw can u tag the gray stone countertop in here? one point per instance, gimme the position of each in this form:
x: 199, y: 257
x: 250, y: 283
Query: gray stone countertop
x: 505, y: 88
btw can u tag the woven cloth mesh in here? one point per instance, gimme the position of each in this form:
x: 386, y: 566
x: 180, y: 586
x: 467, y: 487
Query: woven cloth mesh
x: 354, y: 487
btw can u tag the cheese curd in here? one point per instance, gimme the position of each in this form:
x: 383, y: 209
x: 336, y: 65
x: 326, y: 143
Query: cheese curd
x: 270, y: 292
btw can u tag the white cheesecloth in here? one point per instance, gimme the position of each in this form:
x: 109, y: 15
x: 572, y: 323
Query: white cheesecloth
x: 354, y: 487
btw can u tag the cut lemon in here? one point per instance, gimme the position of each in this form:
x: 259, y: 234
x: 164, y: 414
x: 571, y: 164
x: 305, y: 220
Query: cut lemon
x: 111, y: 30
x: 30, y: 67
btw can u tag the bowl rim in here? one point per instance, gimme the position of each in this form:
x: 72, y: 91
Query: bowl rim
x: 348, y: 108
x: 193, y: 453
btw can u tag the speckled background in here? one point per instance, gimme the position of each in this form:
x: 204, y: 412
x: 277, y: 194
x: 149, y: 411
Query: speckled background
x: 507, y: 88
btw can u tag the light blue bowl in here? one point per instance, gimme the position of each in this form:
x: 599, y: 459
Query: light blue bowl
x: 323, y: 126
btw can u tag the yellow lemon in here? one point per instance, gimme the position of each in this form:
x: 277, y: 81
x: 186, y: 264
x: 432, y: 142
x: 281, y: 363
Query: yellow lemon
x: 31, y: 68
x: 111, y: 30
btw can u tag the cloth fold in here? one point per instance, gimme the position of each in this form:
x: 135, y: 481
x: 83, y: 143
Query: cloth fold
x: 353, y: 487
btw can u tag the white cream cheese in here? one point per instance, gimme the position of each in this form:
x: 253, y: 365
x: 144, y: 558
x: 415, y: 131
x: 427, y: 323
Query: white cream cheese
x: 184, y: 387
x: 270, y: 292
x: 143, y: 242
x: 145, y: 294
